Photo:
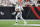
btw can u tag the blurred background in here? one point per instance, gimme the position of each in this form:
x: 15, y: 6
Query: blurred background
x: 23, y: 2
x: 31, y: 9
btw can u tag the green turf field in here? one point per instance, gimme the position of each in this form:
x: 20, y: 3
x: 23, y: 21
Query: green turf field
x: 9, y: 23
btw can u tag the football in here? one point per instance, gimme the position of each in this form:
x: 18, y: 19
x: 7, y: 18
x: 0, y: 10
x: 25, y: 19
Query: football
x: 17, y: 9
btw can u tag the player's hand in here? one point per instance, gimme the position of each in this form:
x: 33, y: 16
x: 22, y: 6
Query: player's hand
x: 17, y: 10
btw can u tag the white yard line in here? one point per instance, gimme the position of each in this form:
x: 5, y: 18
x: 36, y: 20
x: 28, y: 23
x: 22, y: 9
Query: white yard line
x: 28, y: 24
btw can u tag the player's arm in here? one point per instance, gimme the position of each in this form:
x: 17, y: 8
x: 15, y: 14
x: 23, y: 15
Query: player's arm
x: 22, y: 9
x: 16, y: 10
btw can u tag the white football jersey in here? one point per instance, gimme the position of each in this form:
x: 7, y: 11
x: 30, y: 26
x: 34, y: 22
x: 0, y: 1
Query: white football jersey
x: 20, y: 8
